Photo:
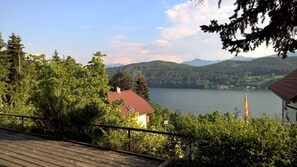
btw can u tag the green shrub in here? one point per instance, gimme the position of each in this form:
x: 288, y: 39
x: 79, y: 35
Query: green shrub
x: 223, y: 140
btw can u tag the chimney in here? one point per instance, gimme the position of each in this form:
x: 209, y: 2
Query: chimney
x: 118, y: 89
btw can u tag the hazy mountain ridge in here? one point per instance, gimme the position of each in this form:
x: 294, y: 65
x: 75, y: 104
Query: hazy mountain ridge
x: 241, y: 58
x: 200, y: 62
x: 114, y: 65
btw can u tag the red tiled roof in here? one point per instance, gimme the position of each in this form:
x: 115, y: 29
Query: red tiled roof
x: 131, y: 102
x: 286, y: 88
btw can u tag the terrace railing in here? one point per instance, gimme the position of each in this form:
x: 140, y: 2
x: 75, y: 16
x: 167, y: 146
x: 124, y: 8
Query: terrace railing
x: 22, y: 119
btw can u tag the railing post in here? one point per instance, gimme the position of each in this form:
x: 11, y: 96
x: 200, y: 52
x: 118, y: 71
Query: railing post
x: 129, y: 143
x: 190, y: 153
x: 22, y: 121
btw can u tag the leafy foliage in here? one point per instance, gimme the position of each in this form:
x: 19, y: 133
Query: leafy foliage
x: 15, y: 76
x: 16, y: 58
x: 16, y: 67
x: 223, y: 140
x: 122, y: 80
x: 4, y: 72
x: 2, y: 43
x: 246, y: 29
x: 70, y: 95
x: 159, y: 120
x: 139, y: 142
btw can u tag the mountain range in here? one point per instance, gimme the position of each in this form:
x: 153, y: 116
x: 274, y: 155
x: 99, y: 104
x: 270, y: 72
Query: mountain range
x: 232, y: 74
x: 200, y: 62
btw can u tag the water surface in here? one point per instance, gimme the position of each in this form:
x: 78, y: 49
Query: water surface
x: 207, y: 101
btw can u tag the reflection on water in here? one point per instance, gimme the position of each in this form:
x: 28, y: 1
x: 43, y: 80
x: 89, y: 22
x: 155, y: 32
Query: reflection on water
x: 206, y: 101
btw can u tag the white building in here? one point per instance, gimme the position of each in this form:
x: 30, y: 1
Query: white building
x: 132, y: 102
x: 286, y: 89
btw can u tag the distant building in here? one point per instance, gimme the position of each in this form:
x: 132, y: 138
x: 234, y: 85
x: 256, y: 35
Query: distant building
x: 222, y: 87
x: 132, y: 102
x: 286, y: 89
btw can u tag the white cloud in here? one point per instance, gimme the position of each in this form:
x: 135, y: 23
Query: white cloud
x: 182, y: 39
x: 177, y: 32
x: 123, y: 50
x: 261, y: 51
x: 161, y: 42
x: 186, y: 18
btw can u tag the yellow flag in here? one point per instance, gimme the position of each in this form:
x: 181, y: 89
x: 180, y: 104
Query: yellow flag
x: 246, y: 109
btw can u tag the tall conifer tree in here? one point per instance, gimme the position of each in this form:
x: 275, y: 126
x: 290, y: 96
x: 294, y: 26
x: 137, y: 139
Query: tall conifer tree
x: 16, y: 57
x: 56, y: 56
x: 142, y: 88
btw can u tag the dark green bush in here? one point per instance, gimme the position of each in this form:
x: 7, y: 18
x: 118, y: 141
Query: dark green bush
x: 223, y: 140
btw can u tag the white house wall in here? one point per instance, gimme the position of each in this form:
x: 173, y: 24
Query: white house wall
x: 290, y: 114
x: 142, y: 119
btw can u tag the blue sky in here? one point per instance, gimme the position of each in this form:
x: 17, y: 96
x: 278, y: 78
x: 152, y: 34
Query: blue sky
x: 127, y: 31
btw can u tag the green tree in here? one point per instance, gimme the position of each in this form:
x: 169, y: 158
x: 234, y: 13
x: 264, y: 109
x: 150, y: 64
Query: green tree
x: 142, y: 88
x: 70, y: 96
x: 16, y: 56
x: 160, y: 119
x: 245, y: 30
x: 17, y: 67
x: 2, y: 43
x: 56, y: 56
x: 4, y: 72
x: 122, y: 80
x: 16, y: 76
x: 97, y: 76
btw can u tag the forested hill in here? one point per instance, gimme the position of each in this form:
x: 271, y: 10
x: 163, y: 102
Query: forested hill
x: 229, y: 74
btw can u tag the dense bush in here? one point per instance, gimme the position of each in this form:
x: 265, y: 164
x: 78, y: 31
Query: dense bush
x: 70, y: 96
x: 223, y: 140
x: 139, y: 142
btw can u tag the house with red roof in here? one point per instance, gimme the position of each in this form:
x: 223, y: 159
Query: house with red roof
x: 132, y: 102
x: 286, y: 89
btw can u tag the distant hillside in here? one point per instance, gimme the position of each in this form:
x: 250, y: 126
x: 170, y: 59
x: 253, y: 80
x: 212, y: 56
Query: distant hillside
x: 256, y: 74
x: 200, y: 62
x: 241, y: 58
x: 113, y: 65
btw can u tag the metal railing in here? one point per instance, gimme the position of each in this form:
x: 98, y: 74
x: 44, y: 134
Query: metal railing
x: 129, y: 129
x: 22, y: 117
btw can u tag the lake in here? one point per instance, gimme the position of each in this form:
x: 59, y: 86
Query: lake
x: 204, y: 101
